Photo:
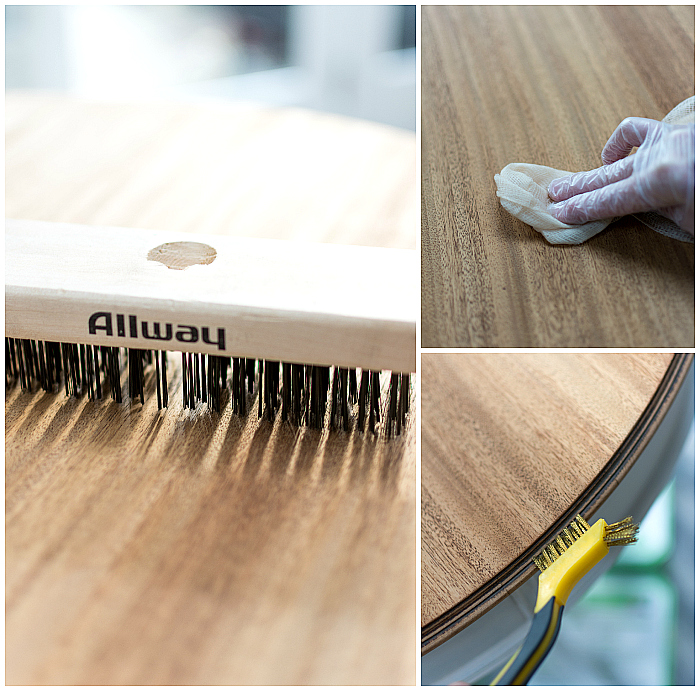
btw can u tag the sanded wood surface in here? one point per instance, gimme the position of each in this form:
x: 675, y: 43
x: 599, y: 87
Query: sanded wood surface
x: 545, y: 85
x: 186, y: 547
x: 511, y: 446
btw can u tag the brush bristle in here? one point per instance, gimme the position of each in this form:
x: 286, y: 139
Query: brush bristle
x: 561, y: 543
x: 623, y: 532
x: 299, y: 393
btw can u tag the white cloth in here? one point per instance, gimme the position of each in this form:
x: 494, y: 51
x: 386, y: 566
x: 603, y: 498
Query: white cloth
x: 522, y: 189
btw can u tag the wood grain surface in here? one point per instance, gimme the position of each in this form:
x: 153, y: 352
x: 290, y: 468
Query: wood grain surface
x: 185, y: 547
x: 513, y: 445
x: 545, y: 85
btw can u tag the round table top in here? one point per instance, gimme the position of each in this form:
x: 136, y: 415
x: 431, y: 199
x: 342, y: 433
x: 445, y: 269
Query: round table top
x: 513, y: 446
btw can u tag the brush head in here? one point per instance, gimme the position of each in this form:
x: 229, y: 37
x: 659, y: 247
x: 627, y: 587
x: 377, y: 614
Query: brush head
x: 561, y: 543
x: 314, y: 303
x: 623, y: 532
x: 574, y: 552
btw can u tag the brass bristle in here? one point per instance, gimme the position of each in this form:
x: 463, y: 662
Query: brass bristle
x: 581, y: 524
x: 561, y: 543
x: 568, y: 537
x: 623, y: 532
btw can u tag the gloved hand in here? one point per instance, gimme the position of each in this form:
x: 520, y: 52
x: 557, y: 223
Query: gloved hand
x: 659, y: 177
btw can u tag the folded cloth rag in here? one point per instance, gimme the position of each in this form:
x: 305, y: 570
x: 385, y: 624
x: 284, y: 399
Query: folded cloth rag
x: 522, y: 189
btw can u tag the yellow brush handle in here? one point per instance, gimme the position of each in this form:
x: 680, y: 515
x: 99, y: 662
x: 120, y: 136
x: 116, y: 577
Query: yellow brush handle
x: 558, y: 580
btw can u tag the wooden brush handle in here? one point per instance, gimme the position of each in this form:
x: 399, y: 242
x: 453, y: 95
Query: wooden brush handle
x: 296, y: 302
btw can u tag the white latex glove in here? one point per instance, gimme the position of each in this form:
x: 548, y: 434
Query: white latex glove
x: 659, y: 177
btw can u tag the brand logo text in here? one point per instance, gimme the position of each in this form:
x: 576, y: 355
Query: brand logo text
x: 154, y: 331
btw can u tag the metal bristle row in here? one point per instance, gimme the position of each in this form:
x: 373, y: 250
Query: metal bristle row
x: 561, y: 543
x: 399, y: 393
x: 622, y: 533
x: 137, y: 358
x: 204, y: 379
x: 84, y: 368
x: 161, y: 359
x: 301, y: 394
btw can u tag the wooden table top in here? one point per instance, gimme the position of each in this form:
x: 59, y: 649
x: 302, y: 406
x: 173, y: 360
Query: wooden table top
x: 545, y: 85
x: 512, y: 447
x: 226, y: 169
x: 187, y: 547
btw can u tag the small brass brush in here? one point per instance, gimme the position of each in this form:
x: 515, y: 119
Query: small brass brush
x: 563, y: 562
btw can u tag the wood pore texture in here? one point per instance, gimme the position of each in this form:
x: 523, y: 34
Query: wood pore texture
x: 185, y: 547
x: 512, y: 444
x: 545, y: 85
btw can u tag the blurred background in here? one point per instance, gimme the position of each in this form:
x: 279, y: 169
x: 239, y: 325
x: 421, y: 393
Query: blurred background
x: 358, y: 61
